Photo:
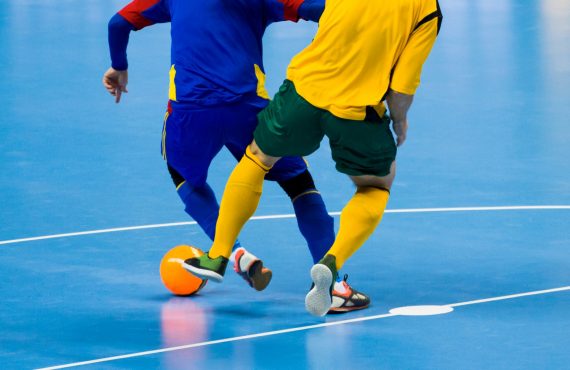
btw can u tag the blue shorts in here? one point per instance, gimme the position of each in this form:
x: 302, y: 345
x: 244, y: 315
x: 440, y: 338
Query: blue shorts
x: 192, y: 137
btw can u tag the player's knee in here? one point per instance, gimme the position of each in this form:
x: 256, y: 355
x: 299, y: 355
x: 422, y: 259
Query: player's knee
x: 267, y: 160
x: 176, y: 177
x: 298, y: 185
x: 194, y: 182
x: 380, y: 182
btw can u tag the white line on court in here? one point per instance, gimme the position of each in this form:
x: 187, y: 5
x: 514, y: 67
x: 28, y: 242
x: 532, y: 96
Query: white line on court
x: 502, y: 298
x: 270, y: 217
x: 291, y: 330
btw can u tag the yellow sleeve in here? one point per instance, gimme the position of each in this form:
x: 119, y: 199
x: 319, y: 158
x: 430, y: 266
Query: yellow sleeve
x: 406, y: 75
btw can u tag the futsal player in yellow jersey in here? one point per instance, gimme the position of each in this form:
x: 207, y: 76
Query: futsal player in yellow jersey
x: 365, y: 55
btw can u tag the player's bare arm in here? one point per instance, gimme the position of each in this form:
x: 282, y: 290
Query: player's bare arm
x: 399, y: 104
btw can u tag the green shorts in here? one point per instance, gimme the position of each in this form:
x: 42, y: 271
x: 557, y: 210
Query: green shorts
x: 291, y: 126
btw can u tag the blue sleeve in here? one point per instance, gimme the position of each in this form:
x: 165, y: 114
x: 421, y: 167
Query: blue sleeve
x: 136, y: 15
x: 158, y: 13
x: 119, y: 30
x: 143, y: 13
x: 293, y: 10
x: 311, y: 10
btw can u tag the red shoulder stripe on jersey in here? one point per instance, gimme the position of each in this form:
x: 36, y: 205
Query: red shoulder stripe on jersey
x: 291, y: 9
x: 133, y: 12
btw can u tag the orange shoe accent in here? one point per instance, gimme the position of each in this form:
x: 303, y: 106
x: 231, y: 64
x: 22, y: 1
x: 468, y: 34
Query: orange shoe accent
x: 251, y: 269
x: 350, y: 300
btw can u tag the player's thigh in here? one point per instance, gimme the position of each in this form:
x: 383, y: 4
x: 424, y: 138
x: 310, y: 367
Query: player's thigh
x: 361, y: 147
x: 245, y: 120
x: 240, y: 121
x: 289, y: 125
x: 191, y: 139
x: 384, y: 182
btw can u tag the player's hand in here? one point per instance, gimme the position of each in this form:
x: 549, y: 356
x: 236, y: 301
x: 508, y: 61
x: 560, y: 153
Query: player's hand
x: 401, y: 130
x: 116, y: 82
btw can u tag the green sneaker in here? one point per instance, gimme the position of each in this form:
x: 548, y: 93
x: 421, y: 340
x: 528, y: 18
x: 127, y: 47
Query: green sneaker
x: 207, y: 268
x: 319, y: 299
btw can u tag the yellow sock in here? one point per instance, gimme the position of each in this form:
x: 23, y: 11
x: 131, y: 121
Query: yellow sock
x: 239, y: 202
x: 358, y: 220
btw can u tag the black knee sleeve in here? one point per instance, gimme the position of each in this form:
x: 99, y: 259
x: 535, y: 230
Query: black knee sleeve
x: 298, y: 185
x: 176, y: 177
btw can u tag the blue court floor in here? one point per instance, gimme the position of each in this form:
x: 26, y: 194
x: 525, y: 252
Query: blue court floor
x: 478, y: 221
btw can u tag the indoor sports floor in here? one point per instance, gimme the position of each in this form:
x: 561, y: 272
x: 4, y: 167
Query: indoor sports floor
x: 479, y: 218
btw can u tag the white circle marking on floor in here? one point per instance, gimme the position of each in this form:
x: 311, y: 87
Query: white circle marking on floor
x: 421, y: 310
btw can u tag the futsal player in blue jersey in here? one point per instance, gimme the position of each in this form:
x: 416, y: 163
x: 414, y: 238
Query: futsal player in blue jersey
x: 216, y: 90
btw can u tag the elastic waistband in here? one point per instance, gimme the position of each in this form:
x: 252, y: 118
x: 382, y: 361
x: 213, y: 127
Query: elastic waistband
x: 253, y: 100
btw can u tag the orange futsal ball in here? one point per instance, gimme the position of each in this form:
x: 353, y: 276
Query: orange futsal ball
x: 174, y: 277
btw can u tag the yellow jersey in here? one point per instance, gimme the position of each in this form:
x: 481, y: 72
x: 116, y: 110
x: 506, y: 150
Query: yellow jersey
x: 363, y: 48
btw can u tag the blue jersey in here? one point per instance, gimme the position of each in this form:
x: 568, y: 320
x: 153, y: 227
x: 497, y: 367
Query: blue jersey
x: 216, y: 52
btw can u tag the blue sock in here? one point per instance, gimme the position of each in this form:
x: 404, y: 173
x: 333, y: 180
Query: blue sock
x: 315, y: 224
x: 201, y: 204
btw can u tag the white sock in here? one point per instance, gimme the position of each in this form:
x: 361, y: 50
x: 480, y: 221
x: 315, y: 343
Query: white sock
x: 339, y: 287
x: 233, y: 255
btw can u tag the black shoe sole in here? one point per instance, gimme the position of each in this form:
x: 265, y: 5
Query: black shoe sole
x: 341, y: 310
